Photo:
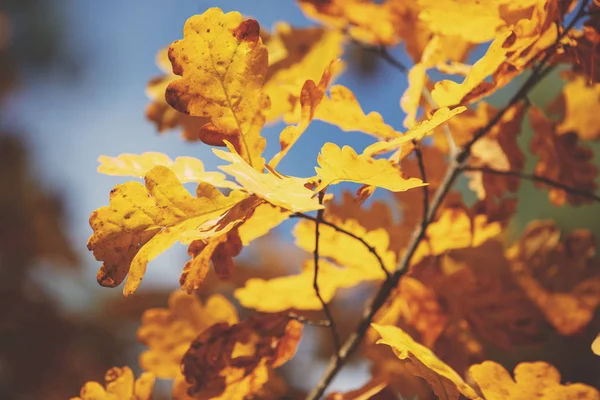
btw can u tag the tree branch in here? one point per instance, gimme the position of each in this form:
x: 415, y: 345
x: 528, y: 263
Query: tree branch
x: 421, y: 162
x: 536, y: 178
x: 454, y: 170
x: 371, y: 249
x: 334, y: 333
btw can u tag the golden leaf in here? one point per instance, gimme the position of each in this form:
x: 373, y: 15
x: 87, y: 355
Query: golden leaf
x: 444, y: 381
x: 120, y: 385
x: 223, y: 65
x: 533, y: 381
x: 417, y: 132
x: 286, y: 192
x: 310, y: 98
x: 474, y: 21
x: 596, y: 345
x: 339, y: 165
x: 342, y: 109
x: 448, y: 93
x: 186, y: 169
x: 581, y: 104
x: 273, y: 295
x: 309, y: 51
x: 142, y: 222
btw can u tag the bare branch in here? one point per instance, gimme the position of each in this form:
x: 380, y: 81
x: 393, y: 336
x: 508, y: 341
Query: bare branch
x: 536, y: 178
x: 425, y: 189
x: 334, y: 333
x: 371, y: 249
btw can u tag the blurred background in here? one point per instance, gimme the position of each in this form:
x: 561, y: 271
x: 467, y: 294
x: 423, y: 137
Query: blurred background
x: 72, y: 87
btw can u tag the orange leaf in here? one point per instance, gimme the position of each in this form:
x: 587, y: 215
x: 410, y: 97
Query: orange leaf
x: 444, y: 381
x: 533, y: 381
x: 234, y: 358
x: 120, y: 385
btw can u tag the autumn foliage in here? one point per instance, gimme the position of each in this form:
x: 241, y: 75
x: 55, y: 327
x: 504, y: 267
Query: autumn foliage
x: 446, y: 285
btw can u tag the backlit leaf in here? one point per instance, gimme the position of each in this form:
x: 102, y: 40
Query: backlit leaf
x: 143, y: 221
x: 338, y: 165
x: 444, y: 381
x: 223, y: 64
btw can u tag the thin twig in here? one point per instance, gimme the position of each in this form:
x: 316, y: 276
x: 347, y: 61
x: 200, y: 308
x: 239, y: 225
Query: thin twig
x: 536, y: 178
x: 371, y: 249
x: 421, y: 162
x: 382, y: 52
x: 454, y: 170
x: 332, y: 326
x: 306, y: 321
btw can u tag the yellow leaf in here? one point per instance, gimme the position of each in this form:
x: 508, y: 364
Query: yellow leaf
x: 120, y: 385
x: 344, y: 250
x: 310, y: 98
x: 273, y: 295
x: 286, y: 192
x: 309, y: 51
x: 339, y: 165
x: 342, y: 109
x: 223, y: 64
x: 448, y: 93
x: 186, y: 169
x: 411, y: 98
x: 596, y: 345
x: 168, y: 332
x: 142, y: 222
x: 417, y: 132
x: 475, y: 21
x: 455, y: 229
x: 264, y: 218
x: 533, y: 381
x: 444, y: 381
x: 582, y: 109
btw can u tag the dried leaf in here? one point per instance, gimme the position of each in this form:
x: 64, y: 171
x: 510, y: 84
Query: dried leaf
x: 168, y: 332
x: 233, y: 359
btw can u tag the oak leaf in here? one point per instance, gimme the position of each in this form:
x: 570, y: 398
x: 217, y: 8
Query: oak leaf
x: 168, y: 332
x: 273, y: 295
x: 233, y: 360
x: 186, y: 169
x: 120, y: 385
x: 561, y: 159
x: 366, y: 21
x: 143, y: 221
x: 166, y: 117
x: 342, y: 109
x: 475, y: 21
x: 289, y: 193
x: 417, y: 132
x: 308, y: 53
x: 533, y: 380
x: 581, y: 103
x: 444, y: 381
x: 223, y: 64
x: 559, y: 274
x: 310, y: 97
x: 448, y: 93
x: 338, y: 165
